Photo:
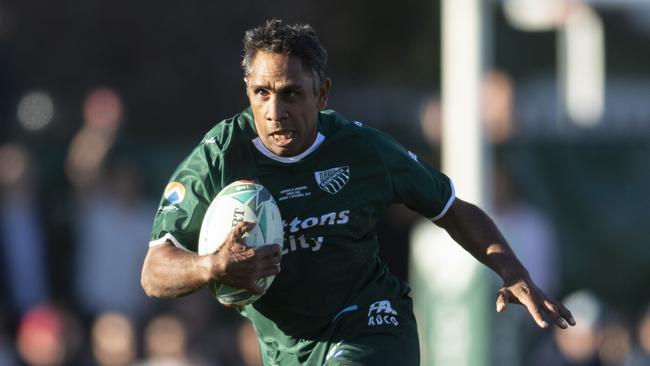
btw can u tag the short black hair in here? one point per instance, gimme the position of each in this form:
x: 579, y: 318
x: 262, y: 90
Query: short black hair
x: 297, y: 40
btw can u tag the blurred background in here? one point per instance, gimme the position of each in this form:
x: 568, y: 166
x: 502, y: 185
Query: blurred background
x: 100, y: 100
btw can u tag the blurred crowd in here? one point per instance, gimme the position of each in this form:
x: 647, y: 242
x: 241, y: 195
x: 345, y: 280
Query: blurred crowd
x: 102, y: 317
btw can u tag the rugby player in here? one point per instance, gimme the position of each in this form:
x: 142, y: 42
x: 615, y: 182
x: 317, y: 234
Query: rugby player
x: 333, y: 302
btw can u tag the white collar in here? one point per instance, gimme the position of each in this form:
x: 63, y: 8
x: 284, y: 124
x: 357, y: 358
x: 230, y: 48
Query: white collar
x: 287, y: 159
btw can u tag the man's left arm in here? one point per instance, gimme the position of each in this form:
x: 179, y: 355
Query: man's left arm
x: 473, y: 229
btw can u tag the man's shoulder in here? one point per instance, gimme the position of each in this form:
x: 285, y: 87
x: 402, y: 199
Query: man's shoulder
x: 360, y: 131
x: 222, y: 135
x: 336, y: 122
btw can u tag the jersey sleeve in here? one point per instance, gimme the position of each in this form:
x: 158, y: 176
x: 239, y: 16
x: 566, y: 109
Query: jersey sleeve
x: 185, y: 200
x: 414, y: 182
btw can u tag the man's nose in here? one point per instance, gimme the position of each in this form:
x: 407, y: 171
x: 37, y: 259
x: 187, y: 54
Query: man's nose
x: 276, y: 109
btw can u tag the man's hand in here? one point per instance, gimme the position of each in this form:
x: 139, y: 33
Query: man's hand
x: 236, y: 265
x: 523, y: 291
x: 473, y: 229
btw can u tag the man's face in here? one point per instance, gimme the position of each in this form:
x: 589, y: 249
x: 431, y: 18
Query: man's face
x: 284, y: 103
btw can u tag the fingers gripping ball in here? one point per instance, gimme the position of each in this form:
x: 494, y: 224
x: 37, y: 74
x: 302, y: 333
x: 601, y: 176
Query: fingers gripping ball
x: 241, y: 201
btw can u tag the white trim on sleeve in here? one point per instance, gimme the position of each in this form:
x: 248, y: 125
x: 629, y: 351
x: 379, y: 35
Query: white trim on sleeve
x: 451, y: 200
x: 164, y: 239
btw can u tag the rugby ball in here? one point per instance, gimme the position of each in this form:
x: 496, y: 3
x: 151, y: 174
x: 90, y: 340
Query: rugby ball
x: 242, y: 200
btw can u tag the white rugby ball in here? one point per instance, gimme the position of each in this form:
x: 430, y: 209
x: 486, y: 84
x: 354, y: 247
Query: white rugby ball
x: 241, y: 201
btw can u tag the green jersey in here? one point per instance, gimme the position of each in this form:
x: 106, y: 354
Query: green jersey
x: 330, y: 198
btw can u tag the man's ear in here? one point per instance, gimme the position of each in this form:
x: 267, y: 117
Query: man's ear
x: 324, y: 93
x: 246, y: 85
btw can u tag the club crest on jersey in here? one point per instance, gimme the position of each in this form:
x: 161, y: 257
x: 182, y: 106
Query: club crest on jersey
x: 333, y: 180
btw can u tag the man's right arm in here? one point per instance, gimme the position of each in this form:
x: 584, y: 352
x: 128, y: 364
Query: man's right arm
x: 172, y: 272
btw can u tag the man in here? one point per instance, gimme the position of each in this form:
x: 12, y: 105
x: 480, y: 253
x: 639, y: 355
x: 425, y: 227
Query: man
x: 333, y: 302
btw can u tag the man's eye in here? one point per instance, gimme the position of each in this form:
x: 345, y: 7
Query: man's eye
x: 290, y: 93
x: 261, y: 92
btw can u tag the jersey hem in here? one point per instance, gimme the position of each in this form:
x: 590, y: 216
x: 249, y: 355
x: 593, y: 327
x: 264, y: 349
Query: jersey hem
x: 164, y: 239
x: 451, y: 200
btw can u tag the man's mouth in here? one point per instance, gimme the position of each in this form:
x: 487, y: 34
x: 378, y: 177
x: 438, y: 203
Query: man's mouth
x: 283, y: 137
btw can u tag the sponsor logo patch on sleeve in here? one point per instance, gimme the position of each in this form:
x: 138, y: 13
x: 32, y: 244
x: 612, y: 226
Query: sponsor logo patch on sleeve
x: 174, y: 192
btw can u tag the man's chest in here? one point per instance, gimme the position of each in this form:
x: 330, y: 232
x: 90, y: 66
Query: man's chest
x: 334, y: 199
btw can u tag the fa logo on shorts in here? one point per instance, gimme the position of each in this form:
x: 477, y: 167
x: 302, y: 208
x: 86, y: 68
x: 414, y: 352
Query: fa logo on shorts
x: 380, y: 313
